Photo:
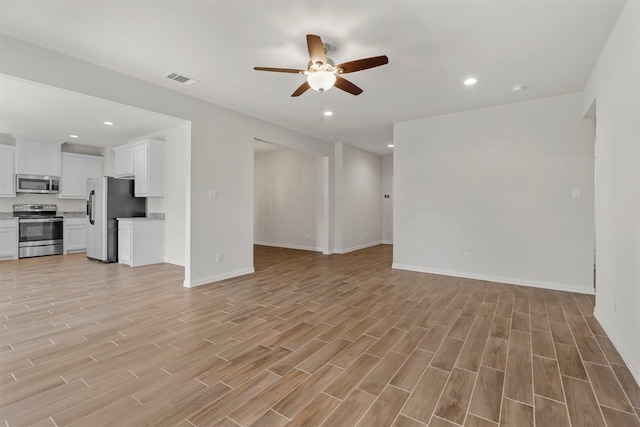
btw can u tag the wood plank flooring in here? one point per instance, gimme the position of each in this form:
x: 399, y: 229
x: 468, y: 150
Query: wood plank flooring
x: 340, y: 340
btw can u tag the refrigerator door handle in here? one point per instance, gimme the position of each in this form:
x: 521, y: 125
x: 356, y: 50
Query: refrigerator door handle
x: 92, y: 194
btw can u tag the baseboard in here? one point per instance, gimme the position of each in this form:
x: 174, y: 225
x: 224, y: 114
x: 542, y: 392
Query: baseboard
x: 357, y: 248
x: 212, y: 279
x: 387, y: 242
x: 174, y: 262
x: 286, y: 246
x: 617, y: 343
x: 498, y: 279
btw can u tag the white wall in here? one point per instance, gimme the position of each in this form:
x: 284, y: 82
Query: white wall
x: 220, y: 153
x: 173, y: 204
x: 358, y: 198
x: 387, y: 204
x: 497, y: 184
x: 289, y: 200
x: 614, y: 87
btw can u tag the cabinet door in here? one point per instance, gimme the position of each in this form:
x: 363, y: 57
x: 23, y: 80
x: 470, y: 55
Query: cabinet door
x: 29, y: 158
x: 124, y: 162
x: 94, y: 168
x: 76, y: 168
x: 142, y: 170
x: 50, y: 159
x: 118, y: 163
x: 8, y: 239
x: 73, y: 181
x: 38, y: 158
x: 75, y: 238
x: 7, y: 171
x: 124, y: 246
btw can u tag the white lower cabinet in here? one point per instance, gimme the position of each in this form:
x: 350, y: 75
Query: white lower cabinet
x: 140, y: 241
x: 8, y: 238
x: 75, y: 235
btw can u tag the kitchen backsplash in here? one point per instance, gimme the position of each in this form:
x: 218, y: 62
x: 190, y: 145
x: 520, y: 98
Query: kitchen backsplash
x: 69, y: 208
x: 155, y: 215
x: 68, y: 205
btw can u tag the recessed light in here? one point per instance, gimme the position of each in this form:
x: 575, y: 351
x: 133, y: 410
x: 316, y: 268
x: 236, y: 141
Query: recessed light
x: 73, y: 136
x: 328, y: 113
x: 390, y: 145
x: 517, y: 88
x: 470, y: 81
x: 108, y: 123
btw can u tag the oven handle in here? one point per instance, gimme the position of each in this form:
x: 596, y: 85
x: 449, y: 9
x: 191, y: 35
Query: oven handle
x: 92, y: 194
x: 33, y: 220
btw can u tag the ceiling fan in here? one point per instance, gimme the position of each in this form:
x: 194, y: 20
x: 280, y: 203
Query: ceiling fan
x: 321, y: 72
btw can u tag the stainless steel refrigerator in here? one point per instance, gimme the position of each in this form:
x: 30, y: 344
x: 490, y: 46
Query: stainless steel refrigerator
x: 107, y: 199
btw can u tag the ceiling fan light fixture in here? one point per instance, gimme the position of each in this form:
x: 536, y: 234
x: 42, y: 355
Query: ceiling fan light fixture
x: 321, y: 80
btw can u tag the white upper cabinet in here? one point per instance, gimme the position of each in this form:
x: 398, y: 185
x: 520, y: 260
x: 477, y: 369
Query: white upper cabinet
x: 7, y: 171
x: 124, y: 161
x: 144, y: 161
x: 38, y: 158
x: 76, y: 168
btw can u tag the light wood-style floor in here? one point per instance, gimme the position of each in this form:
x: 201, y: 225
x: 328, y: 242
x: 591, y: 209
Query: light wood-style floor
x: 339, y: 340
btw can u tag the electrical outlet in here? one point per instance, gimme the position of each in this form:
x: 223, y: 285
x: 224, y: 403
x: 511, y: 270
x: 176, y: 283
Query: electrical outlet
x: 615, y: 304
x: 218, y: 257
x: 213, y: 194
x: 466, y: 255
x: 576, y: 193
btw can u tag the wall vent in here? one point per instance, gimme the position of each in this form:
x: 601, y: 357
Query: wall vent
x: 181, y: 78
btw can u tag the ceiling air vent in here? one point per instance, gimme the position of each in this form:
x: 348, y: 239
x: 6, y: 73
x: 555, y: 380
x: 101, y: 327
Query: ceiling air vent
x: 180, y: 78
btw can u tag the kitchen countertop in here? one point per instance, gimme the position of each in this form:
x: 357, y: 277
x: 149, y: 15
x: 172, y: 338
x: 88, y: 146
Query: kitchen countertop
x: 140, y: 218
x: 72, y: 214
x: 82, y: 214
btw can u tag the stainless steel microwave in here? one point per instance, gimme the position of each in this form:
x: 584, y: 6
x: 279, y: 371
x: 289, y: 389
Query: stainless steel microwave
x: 37, y: 184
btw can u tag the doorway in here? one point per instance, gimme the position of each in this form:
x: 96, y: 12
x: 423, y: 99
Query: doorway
x: 290, y: 198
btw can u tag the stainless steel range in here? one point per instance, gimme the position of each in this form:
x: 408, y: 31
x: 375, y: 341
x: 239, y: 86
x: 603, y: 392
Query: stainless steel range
x: 40, y: 230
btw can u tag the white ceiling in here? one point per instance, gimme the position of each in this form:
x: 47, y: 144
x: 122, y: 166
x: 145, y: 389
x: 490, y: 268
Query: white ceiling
x: 54, y: 114
x: 550, y: 46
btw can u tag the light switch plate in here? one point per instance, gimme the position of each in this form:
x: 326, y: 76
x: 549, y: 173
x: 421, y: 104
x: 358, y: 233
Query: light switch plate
x: 577, y: 193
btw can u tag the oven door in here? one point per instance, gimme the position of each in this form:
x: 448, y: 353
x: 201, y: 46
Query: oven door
x: 40, y: 231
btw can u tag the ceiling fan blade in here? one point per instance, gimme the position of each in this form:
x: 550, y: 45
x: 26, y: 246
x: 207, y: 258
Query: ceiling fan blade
x: 363, y: 64
x: 302, y: 89
x: 279, y: 70
x: 316, y: 49
x: 347, y: 86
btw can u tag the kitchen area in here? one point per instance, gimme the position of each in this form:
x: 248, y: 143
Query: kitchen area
x: 72, y: 138
x: 61, y: 202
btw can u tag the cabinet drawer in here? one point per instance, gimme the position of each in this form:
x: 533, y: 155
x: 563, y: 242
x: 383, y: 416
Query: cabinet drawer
x: 75, y: 221
x: 124, y: 225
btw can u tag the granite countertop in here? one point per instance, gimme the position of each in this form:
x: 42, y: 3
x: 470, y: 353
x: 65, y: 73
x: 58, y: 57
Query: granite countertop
x: 72, y: 214
x: 151, y: 216
x: 82, y: 214
x: 140, y: 218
